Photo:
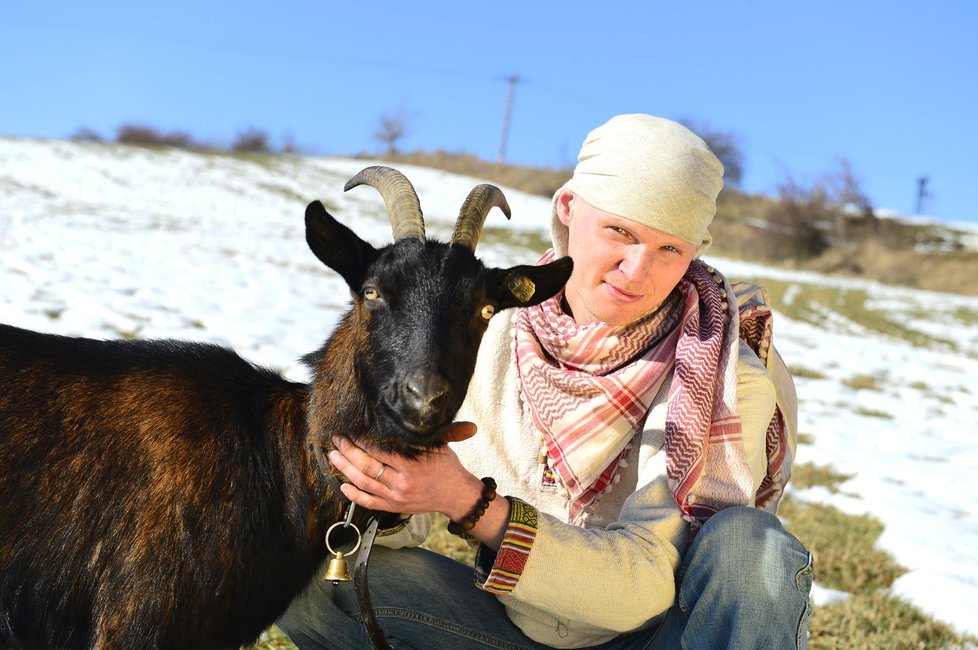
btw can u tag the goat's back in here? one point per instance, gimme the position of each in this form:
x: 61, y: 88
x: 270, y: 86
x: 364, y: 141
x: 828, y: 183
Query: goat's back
x: 141, y: 481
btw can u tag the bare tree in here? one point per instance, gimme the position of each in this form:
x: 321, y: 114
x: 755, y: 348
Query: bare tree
x: 854, y: 215
x: 391, y: 129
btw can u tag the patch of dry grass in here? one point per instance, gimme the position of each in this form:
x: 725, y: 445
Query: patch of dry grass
x: 863, y: 382
x: 810, y: 302
x: 806, y: 475
x: 843, y: 545
x: 805, y: 373
x: 847, y: 558
x: 879, y: 620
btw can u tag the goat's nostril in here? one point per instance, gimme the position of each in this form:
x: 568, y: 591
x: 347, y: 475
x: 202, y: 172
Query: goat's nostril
x: 438, y: 390
x: 424, y: 390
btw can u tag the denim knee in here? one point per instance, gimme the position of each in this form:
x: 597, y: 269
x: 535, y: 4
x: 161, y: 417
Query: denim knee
x: 750, y: 547
x: 747, y: 571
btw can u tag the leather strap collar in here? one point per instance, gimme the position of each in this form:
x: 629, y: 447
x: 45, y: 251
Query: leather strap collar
x: 369, y: 618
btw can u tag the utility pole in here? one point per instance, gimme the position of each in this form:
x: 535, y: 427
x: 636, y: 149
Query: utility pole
x: 507, y: 115
x: 921, y: 193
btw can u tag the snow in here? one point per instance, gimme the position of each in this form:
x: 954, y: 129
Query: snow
x: 109, y: 241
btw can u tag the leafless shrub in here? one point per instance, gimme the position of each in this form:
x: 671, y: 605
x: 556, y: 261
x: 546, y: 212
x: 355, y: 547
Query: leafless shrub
x: 832, y: 212
x: 147, y: 135
x: 85, y: 134
x: 252, y: 140
x: 798, y: 222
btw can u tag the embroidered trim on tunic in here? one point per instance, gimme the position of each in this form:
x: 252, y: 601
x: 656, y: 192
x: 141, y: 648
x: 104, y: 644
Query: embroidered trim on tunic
x: 508, y: 563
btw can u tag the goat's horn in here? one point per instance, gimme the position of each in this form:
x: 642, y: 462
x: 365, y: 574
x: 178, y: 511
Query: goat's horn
x: 403, y: 206
x: 472, y: 216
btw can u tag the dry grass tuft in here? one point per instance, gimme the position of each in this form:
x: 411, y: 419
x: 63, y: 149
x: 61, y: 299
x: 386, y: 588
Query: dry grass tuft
x: 847, y: 559
x: 878, y: 620
x: 844, y: 547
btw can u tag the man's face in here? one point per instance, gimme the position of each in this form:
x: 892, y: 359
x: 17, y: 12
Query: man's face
x: 622, y: 270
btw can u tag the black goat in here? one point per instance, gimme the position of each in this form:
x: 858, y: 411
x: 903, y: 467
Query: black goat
x: 162, y: 494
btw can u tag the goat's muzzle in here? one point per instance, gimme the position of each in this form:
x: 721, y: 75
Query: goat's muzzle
x: 424, y: 393
x: 422, y: 404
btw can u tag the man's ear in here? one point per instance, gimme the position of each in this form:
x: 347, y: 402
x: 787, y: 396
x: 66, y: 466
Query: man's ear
x: 525, y: 286
x: 563, y: 206
x: 337, y: 246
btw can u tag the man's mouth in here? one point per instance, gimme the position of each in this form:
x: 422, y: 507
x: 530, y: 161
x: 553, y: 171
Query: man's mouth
x: 621, y: 294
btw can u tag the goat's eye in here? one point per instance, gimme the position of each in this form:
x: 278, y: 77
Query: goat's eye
x: 488, y: 311
x: 370, y: 294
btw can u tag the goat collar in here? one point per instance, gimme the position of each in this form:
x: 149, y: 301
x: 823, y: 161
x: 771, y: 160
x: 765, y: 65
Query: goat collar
x: 325, y: 477
x: 324, y: 472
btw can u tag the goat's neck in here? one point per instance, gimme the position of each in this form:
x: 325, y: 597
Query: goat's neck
x: 335, y: 406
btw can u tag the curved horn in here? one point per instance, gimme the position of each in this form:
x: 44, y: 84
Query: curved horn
x: 403, y: 206
x: 472, y: 216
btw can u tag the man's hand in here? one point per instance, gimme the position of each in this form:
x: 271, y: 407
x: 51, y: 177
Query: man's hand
x: 432, y: 482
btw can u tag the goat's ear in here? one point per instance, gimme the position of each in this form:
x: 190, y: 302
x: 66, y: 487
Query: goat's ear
x: 525, y: 286
x: 337, y: 246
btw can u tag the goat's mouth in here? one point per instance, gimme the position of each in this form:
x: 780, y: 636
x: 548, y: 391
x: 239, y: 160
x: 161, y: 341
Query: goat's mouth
x: 416, y: 415
x: 413, y: 433
x: 408, y: 445
x: 421, y: 435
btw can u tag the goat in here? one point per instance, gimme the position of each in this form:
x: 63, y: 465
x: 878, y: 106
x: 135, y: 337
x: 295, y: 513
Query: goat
x: 164, y: 494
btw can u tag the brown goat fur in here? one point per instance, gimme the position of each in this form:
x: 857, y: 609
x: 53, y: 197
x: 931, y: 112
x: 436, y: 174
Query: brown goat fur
x: 121, y: 493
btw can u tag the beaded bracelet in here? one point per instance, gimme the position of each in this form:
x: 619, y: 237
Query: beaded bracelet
x: 467, y: 524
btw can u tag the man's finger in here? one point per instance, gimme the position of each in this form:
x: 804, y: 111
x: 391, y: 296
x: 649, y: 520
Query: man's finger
x: 365, y: 499
x: 459, y: 431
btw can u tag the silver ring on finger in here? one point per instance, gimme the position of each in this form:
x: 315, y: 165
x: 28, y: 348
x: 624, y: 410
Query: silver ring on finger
x: 381, y: 472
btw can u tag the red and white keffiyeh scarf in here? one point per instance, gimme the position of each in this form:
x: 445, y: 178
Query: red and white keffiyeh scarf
x: 589, y: 388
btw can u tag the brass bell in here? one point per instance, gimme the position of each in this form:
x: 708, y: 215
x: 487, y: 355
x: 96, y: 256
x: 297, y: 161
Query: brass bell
x: 337, y: 571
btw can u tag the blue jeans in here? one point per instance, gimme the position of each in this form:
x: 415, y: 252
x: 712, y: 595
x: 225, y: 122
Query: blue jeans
x: 744, y: 583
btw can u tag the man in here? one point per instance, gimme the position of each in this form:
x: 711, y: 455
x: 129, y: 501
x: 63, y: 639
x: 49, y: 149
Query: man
x: 641, y: 426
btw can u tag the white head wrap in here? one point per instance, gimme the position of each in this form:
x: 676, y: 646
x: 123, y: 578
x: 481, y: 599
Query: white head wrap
x: 650, y: 170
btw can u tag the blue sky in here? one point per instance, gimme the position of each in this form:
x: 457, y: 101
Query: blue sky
x: 889, y: 86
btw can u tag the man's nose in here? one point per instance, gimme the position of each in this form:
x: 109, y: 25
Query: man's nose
x: 636, y: 264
